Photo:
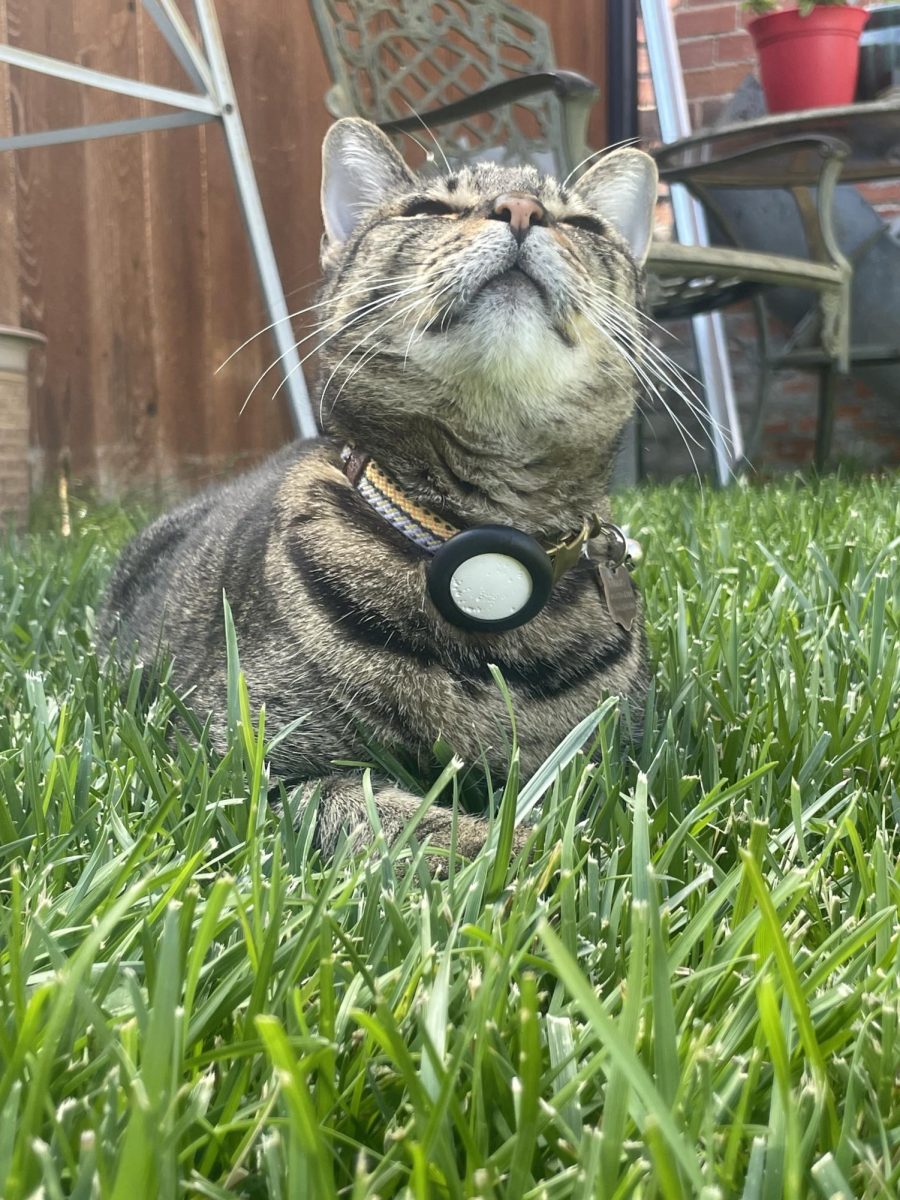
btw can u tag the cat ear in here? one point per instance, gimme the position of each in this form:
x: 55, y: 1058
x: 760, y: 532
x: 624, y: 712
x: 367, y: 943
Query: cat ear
x: 622, y: 188
x: 360, y: 168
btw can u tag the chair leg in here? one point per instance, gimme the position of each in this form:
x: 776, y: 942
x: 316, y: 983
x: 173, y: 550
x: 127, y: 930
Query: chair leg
x: 627, y: 467
x: 763, y: 376
x: 828, y: 380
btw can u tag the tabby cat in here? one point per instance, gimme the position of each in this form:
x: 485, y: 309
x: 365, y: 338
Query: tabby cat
x: 479, y: 340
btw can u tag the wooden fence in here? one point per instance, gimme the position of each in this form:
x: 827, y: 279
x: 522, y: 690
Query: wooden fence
x: 129, y: 253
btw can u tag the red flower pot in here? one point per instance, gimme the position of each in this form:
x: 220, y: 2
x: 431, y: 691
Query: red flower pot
x: 808, y: 62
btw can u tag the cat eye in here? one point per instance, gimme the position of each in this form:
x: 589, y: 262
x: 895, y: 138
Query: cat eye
x: 588, y: 224
x: 428, y: 208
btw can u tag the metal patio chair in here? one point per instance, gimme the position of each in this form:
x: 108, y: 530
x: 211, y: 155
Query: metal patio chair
x: 809, y: 167
x: 483, y: 71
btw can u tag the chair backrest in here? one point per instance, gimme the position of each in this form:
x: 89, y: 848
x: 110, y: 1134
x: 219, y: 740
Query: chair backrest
x: 388, y: 58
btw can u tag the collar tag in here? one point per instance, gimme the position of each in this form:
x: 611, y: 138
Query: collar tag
x: 618, y: 592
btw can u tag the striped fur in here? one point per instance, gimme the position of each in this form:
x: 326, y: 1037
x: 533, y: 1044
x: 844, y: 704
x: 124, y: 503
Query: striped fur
x: 491, y: 395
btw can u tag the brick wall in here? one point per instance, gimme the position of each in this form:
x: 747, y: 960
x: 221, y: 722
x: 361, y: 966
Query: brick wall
x: 13, y: 446
x: 716, y: 55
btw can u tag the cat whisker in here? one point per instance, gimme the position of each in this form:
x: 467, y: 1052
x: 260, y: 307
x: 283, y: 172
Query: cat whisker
x: 363, y: 285
x: 596, y: 154
x: 667, y: 371
x: 641, y: 374
x: 391, y: 317
x: 447, y: 311
x: 672, y: 376
x: 440, y: 317
x: 366, y: 357
x: 653, y: 390
x: 431, y: 135
x: 425, y: 284
x: 304, y: 287
x: 429, y: 300
x: 357, y: 315
x: 641, y: 315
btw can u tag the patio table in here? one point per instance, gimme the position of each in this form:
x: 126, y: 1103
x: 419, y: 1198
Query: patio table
x: 734, y: 155
x: 871, y: 133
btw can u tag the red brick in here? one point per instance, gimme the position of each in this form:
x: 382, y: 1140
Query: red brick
x: 700, y: 53
x: 721, y: 19
x: 715, y: 81
x: 708, y: 112
x: 798, y: 385
x: 741, y: 326
x: 695, y: 108
x: 734, y: 47
x: 646, y: 95
x: 885, y: 191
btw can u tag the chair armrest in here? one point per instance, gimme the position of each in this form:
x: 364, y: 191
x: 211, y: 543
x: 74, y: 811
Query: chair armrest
x: 797, y: 164
x: 722, y: 162
x: 567, y: 85
x: 808, y: 167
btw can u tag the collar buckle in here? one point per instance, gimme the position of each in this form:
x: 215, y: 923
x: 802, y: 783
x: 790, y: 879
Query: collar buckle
x: 565, y: 554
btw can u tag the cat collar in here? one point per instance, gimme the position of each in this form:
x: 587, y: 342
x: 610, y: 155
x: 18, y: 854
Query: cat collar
x: 490, y: 578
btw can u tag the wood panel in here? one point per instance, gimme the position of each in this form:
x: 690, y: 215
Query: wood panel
x: 9, y: 254
x: 52, y: 221
x: 176, y: 183
x: 578, y: 33
x: 117, y: 260
x: 131, y: 251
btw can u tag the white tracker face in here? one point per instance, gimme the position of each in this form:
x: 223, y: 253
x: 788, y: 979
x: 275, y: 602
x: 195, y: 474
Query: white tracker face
x: 491, y: 587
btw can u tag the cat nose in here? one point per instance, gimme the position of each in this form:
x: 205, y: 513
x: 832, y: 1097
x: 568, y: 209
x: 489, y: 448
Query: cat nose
x: 520, y: 211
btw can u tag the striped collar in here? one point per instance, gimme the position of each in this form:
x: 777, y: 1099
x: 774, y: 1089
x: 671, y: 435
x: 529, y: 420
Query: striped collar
x: 429, y: 532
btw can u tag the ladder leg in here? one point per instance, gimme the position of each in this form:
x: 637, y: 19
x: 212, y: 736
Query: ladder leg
x: 255, y: 221
x: 690, y: 221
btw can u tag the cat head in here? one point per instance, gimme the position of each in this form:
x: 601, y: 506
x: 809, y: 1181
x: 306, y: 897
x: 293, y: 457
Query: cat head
x: 492, y: 298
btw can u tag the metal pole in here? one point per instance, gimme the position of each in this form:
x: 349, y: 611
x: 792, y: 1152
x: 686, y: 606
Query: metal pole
x: 87, y: 133
x: 58, y: 69
x: 621, y: 72
x: 255, y: 219
x: 690, y: 221
x: 172, y: 25
x: 622, y: 126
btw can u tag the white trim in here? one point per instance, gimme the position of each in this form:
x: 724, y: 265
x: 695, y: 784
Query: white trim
x: 56, y: 68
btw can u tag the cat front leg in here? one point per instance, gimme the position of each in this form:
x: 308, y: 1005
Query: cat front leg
x: 342, y: 809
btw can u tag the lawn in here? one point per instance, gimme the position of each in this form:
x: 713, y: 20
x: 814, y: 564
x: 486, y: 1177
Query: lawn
x: 690, y: 987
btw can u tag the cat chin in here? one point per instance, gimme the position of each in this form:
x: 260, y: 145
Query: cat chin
x: 511, y: 349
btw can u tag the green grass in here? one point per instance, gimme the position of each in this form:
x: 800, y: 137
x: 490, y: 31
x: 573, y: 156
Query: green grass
x: 690, y: 989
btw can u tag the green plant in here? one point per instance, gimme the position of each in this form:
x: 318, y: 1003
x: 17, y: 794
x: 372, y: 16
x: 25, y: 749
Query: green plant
x: 690, y: 987
x: 761, y: 7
